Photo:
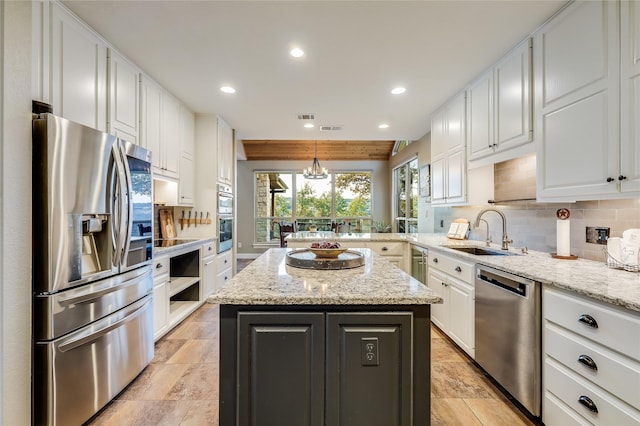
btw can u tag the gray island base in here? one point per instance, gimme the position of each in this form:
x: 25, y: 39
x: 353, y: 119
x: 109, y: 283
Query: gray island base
x: 305, y: 347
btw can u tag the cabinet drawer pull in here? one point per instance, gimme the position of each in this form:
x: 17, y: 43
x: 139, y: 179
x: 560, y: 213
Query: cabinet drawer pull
x: 435, y: 260
x: 588, y: 362
x: 588, y: 320
x: 622, y: 177
x: 210, y: 248
x: 385, y: 248
x: 159, y: 265
x: 458, y: 269
x: 610, y: 179
x: 587, y: 402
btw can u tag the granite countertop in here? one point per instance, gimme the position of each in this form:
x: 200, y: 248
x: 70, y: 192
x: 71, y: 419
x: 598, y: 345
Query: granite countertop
x: 586, y: 277
x: 185, y: 243
x: 268, y: 280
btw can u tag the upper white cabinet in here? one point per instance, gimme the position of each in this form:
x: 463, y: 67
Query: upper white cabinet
x: 75, y: 78
x: 225, y: 152
x: 187, y: 169
x: 499, y: 109
x: 448, y: 160
x: 576, y: 60
x: 124, y: 98
x: 630, y: 97
x: 160, y: 127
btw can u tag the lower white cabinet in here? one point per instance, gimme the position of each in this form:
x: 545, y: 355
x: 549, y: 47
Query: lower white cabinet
x: 224, y: 270
x: 160, y: 297
x: 591, y: 365
x: 208, y: 269
x: 452, y: 279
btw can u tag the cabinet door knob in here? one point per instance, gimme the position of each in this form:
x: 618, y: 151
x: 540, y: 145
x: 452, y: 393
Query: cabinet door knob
x: 458, y: 269
x: 621, y: 177
x: 610, y: 179
x: 435, y: 260
x: 588, y: 320
x: 588, y: 362
x: 587, y: 402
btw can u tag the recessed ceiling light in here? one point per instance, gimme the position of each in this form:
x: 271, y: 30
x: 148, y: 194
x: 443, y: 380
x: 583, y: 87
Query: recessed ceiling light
x: 309, y: 125
x: 383, y: 126
x: 398, y: 90
x: 228, y: 89
x: 296, y: 52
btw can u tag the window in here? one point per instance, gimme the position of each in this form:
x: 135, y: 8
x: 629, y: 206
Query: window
x: 341, y: 202
x: 405, y: 179
x: 399, y: 146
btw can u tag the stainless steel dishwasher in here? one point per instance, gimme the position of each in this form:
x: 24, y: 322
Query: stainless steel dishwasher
x: 507, y: 333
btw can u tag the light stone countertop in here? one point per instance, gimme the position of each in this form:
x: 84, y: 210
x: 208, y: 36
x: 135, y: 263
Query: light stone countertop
x: 586, y: 277
x: 268, y: 280
x: 189, y: 243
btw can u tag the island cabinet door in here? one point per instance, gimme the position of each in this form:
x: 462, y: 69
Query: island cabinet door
x: 369, y: 369
x: 281, y: 368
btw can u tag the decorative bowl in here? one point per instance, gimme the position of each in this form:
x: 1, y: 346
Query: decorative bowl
x: 327, y: 253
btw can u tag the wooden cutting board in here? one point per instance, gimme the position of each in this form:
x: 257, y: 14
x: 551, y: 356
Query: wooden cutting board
x: 167, y: 229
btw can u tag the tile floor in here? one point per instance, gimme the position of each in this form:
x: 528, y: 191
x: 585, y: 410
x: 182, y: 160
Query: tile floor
x: 179, y: 387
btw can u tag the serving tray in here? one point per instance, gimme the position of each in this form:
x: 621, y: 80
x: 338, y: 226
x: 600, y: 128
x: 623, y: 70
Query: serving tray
x: 304, y: 258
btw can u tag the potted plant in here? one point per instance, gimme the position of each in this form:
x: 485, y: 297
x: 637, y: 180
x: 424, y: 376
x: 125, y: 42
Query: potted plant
x: 381, y: 226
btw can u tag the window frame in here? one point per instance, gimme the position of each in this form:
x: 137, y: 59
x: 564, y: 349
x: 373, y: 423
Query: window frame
x: 295, y: 175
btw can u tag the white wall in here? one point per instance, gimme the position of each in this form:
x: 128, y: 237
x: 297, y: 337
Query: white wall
x: 381, y: 187
x: 15, y: 216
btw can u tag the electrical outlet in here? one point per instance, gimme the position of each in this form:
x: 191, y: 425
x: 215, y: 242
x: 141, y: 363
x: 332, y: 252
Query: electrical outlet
x: 239, y: 244
x: 597, y: 234
x: 369, y: 351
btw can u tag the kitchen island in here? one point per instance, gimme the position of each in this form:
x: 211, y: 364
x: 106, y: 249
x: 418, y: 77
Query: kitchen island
x: 314, y: 347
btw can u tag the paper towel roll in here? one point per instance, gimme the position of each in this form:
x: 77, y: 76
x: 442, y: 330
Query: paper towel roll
x: 563, y: 244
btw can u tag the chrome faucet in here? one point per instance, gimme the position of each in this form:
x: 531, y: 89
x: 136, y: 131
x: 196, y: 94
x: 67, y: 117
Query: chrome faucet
x: 505, y: 240
x: 488, y: 240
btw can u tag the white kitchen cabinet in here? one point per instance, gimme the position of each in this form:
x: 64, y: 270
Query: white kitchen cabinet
x: 576, y: 69
x: 224, y: 268
x: 160, y: 127
x: 630, y: 97
x: 453, y: 279
x: 187, y: 169
x: 124, y: 98
x: 499, y: 107
x: 225, y: 153
x: 448, y: 159
x: 208, y: 269
x: 160, y: 296
x: 591, y: 361
x: 77, y: 69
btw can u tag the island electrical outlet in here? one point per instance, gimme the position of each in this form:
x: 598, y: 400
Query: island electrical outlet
x: 369, y: 350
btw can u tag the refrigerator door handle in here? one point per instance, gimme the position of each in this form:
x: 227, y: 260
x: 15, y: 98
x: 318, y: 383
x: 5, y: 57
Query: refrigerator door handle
x: 127, y: 220
x: 120, y: 205
x: 130, y: 316
x: 91, y: 296
x: 114, y: 208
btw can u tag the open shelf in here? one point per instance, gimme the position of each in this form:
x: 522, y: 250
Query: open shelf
x: 177, y: 284
x: 179, y: 310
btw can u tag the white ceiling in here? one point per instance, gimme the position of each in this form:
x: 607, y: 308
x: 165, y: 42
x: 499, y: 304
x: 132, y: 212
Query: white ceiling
x: 356, y: 52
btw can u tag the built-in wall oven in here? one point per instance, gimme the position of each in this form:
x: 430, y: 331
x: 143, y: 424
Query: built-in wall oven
x: 225, y: 219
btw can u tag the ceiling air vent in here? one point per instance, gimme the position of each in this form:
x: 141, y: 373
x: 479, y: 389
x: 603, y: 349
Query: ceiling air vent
x: 330, y: 128
x: 307, y: 116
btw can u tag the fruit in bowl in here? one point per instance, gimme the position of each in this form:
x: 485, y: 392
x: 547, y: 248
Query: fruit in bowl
x: 327, y: 249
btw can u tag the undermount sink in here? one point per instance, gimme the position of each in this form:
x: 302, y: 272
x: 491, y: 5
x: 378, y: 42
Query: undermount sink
x: 480, y: 251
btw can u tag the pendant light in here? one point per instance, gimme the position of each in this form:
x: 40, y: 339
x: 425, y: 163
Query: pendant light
x: 315, y: 171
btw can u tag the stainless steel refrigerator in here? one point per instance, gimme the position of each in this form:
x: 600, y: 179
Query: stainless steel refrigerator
x: 92, y: 268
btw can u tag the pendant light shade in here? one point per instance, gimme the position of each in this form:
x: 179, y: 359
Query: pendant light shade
x: 315, y: 171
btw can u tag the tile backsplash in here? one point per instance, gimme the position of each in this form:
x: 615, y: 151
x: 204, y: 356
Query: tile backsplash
x: 533, y: 224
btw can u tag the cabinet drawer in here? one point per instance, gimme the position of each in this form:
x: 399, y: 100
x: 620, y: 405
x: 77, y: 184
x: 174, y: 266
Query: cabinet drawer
x: 618, y: 375
x: 223, y: 261
x: 571, y: 388
x: 617, y: 330
x: 209, y: 249
x: 387, y: 249
x: 160, y: 266
x: 223, y: 278
x: 452, y: 265
x: 554, y: 412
